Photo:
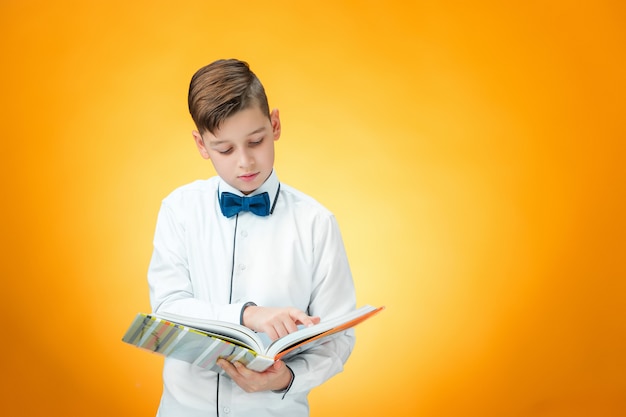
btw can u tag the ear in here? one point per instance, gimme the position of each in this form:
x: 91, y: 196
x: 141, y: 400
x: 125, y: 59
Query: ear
x: 197, y: 138
x: 275, y: 120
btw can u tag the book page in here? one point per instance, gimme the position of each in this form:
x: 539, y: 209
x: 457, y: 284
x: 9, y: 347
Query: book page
x: 322, y: 329
x: 239, y: 333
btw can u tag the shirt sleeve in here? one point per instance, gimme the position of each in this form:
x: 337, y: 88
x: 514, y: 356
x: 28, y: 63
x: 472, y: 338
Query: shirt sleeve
x: 333, y: 294
x: 171, y: 289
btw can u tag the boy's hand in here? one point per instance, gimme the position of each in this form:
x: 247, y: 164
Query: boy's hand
x: 277, y: 377
x: 276, y: 322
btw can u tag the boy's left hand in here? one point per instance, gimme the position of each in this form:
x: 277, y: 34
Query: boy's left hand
x: 277, y: 377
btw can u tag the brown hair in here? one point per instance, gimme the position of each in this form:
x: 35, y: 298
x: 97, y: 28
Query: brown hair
x: 221, y: 89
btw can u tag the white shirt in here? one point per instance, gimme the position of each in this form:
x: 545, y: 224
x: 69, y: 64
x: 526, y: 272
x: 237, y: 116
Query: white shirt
x: 208, y: 266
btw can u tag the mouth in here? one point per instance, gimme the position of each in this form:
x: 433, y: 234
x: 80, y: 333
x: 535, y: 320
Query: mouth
x: 248, y: 177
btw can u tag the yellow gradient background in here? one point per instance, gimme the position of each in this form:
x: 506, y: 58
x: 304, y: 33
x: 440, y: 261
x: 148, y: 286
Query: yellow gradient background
x: 472, y: 152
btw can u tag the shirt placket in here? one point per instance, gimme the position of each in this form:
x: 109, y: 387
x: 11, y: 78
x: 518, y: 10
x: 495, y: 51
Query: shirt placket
x: 241, y: 260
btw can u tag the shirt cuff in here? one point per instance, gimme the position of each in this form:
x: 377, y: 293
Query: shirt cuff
x: 246, y: 305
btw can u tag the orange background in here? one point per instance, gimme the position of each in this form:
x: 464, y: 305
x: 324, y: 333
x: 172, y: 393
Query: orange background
x: 473, y: 153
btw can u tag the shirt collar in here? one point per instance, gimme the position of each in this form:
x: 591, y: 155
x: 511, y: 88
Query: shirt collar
x: 270, y: 186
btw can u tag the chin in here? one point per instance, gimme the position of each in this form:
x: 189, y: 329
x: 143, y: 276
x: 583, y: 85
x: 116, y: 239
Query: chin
x: 248, y: 188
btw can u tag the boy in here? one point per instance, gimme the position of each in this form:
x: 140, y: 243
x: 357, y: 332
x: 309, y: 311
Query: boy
x: 244, y: 248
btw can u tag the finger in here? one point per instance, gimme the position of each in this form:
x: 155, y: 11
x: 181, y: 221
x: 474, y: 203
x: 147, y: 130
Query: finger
x: 302, y: 318
x: 246, y: 378
x: 289, y: 326
x: 241, y: 369
x: 277, y: 365
x: 228, y: 367
x: 282, y: 330
x: 271, y: 332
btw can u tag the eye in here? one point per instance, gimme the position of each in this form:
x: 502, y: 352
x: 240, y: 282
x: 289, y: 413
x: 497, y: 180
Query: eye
x: 225, y: 152
x: 256, y: 142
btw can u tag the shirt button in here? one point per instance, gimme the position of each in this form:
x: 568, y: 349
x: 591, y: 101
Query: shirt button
x: 226, y: 410
x: 244, y: 233
x: 242, y: 267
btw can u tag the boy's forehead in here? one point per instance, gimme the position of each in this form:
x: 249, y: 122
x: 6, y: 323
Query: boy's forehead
x: 244, y: 123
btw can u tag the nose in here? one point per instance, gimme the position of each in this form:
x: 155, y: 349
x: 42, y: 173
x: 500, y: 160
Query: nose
x: 246, y: 159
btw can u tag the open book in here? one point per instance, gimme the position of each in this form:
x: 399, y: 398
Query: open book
x: 203, y: 342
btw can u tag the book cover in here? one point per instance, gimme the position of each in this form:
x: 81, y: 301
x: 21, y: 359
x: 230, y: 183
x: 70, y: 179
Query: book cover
x: 203, y: 342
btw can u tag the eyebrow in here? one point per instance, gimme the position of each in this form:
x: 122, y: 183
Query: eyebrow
x: 254, y: 132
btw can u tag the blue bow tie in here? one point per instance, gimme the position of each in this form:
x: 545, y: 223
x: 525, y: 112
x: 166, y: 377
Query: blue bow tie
x: 232, y: 204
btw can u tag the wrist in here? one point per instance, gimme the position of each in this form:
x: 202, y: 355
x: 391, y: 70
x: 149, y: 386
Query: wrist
x: 288, y: 383
x: 242, y: 320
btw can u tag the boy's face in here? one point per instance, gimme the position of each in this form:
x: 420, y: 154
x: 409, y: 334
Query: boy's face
x: 242, y: 149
